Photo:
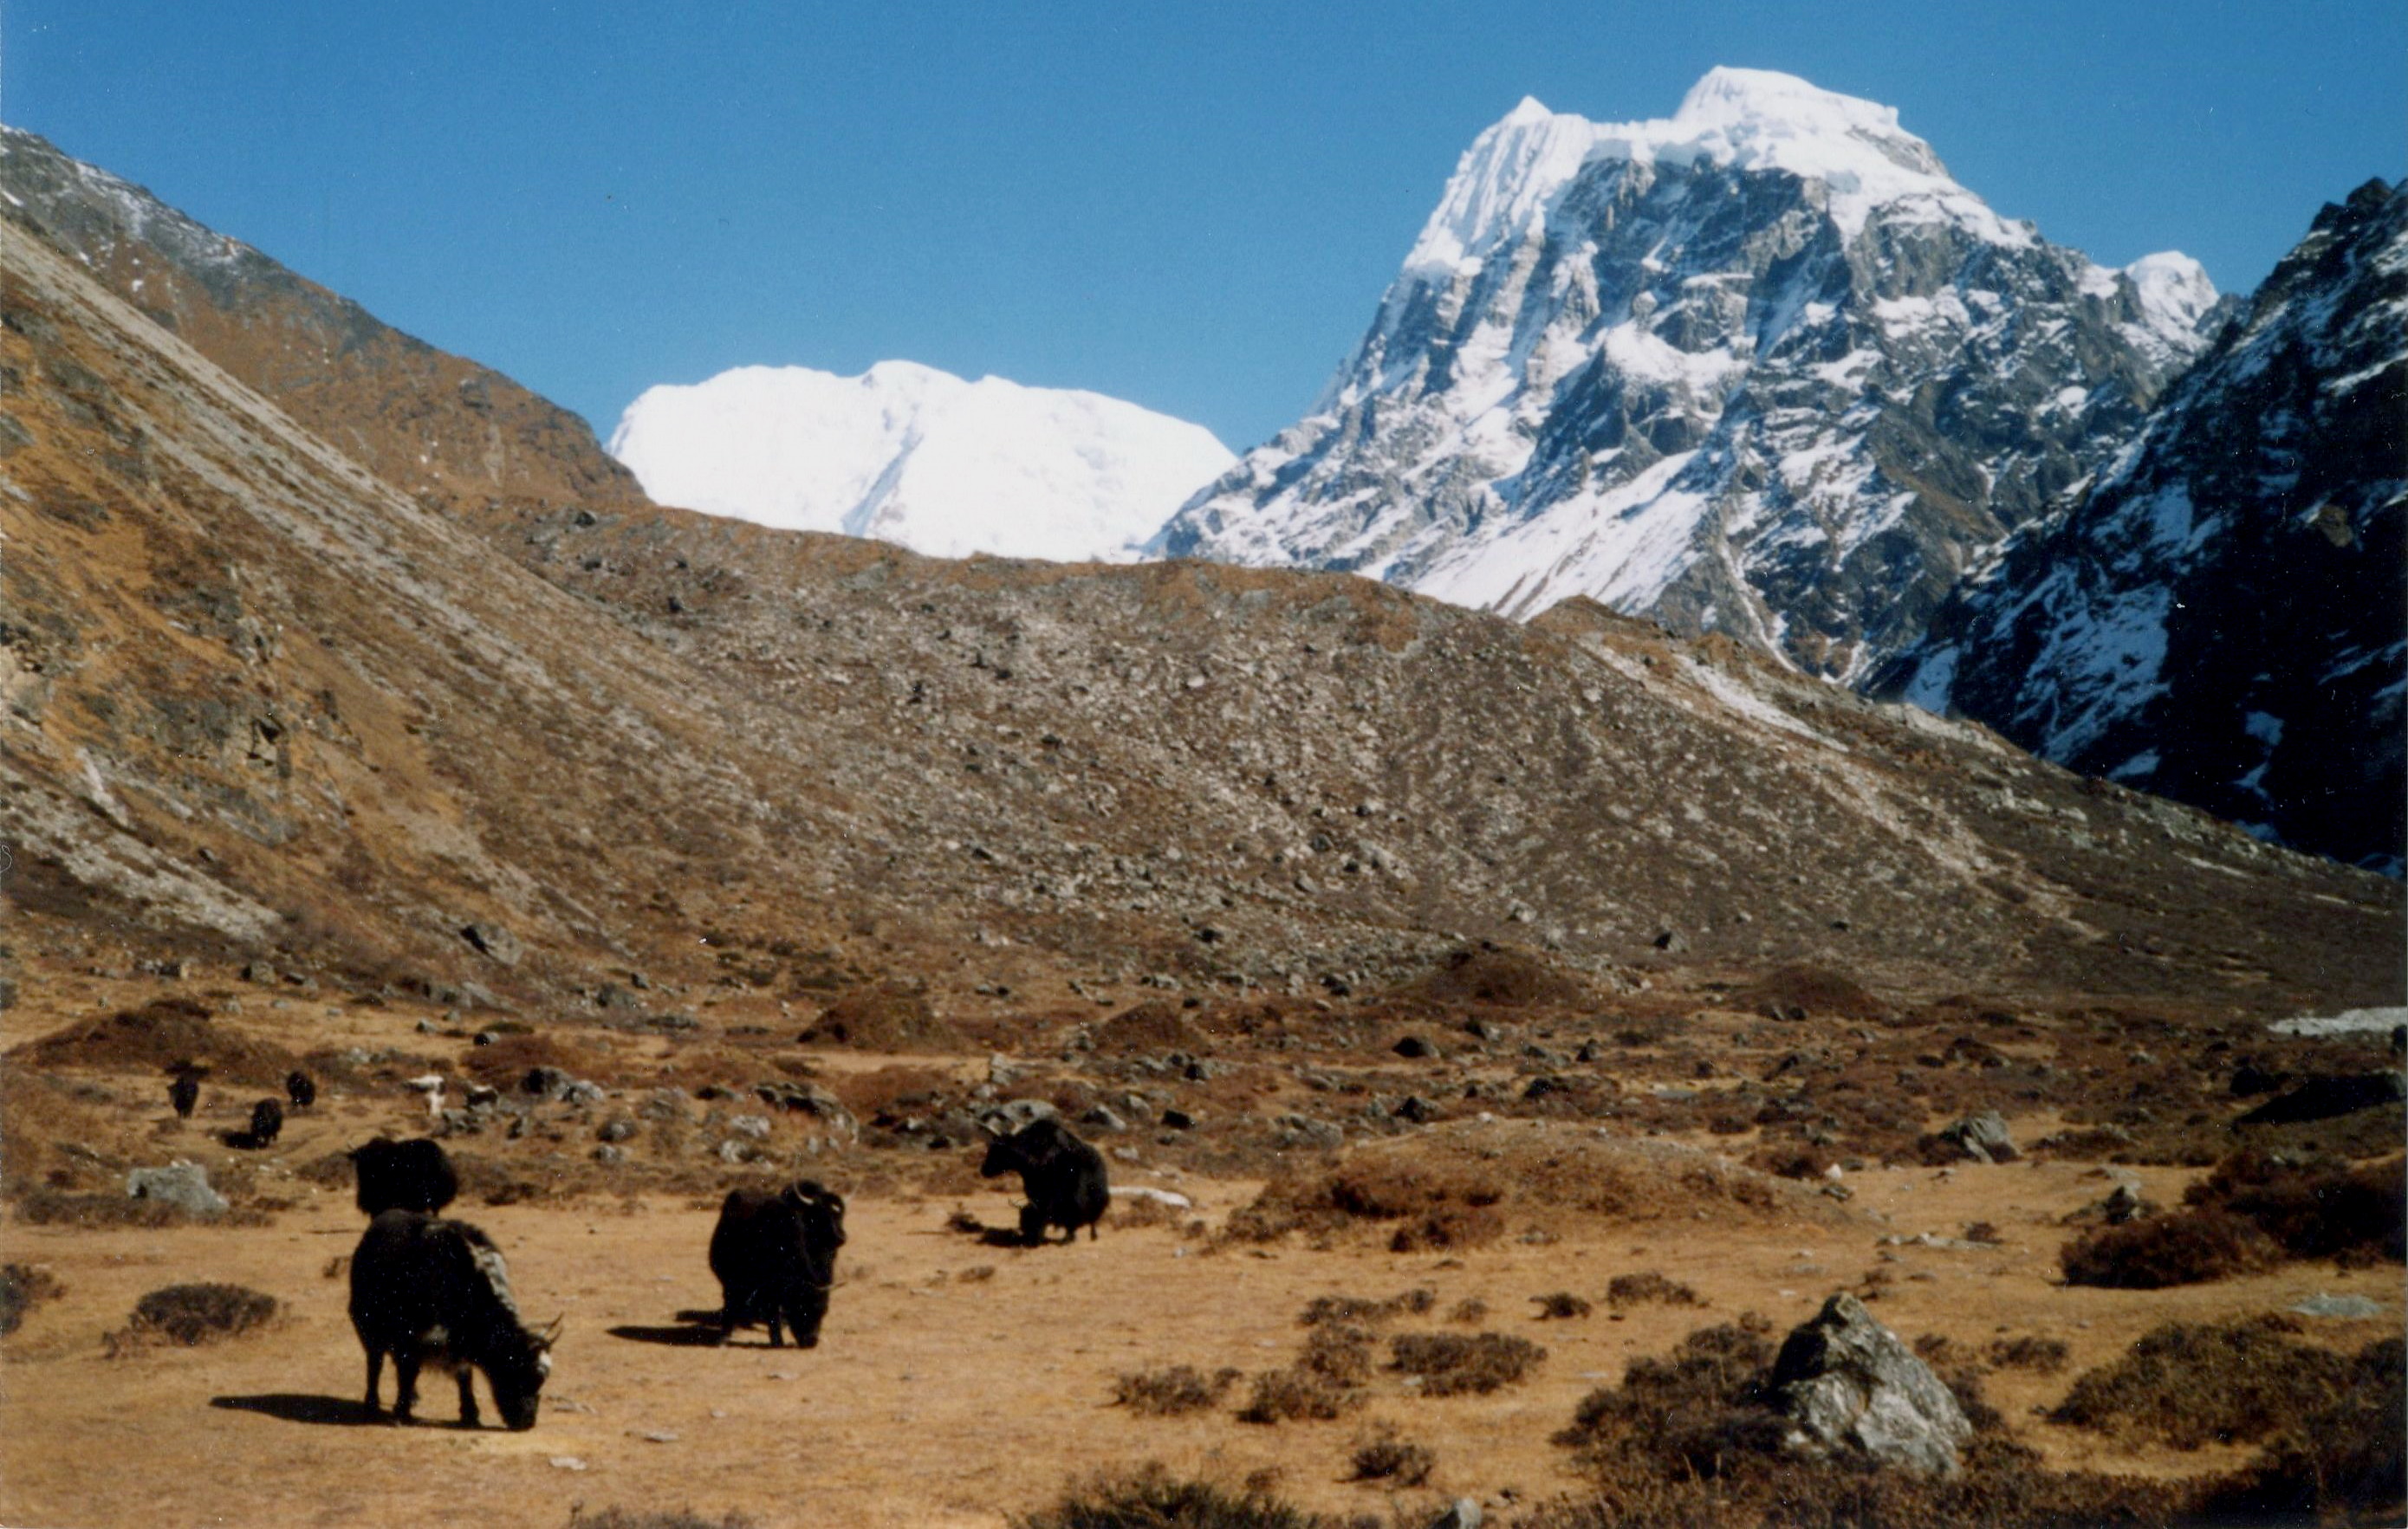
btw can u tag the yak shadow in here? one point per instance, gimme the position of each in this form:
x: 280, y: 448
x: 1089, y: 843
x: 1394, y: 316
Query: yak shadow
x: 988, y: 1237
x: 685, y: 1335
x: 293, y: 1406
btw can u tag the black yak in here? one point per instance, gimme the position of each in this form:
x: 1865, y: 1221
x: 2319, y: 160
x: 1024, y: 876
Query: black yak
x: 301, y: 1088
x: 267, y: 1122
x: 434, y: 1291
x: 411, y: 1174
x: 1062, y: 1176
x: 775, y: 1257
x: 184, y: 1093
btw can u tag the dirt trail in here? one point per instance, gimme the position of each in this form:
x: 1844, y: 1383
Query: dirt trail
x: 940, y: 1396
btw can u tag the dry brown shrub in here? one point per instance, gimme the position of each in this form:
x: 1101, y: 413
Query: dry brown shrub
x: 23, y: 1287
x: 1341, y: 1353
x: 1471, y: 1309
x: 1384, y: 1455
x: 2187, y: 1248
x: 1364, y: 1310
x: 883, y: 1089
x: 2187, y: 1384
x: 2326, y: 1209
x: 1808, y: 992
x: 2345, y: 1460
x: 2043, y: 1355
x: 649, y: 1518
x: 1150, y: 1497
x: 1647, y: 1286
x: 192, y: 1315
x: 1295, y: 1393
x: 1157, y: 1024
x: 1452, y: 1363
x: 505, y: 1064
x: 889, y: 1018
x: 1490, y: 973
x: 1173, y: 1391
x: 1560, y: 1305
x: 1457, y: 1186
x: 163, y: 1034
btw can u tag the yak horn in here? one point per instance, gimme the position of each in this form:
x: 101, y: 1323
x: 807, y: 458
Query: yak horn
x: 552, y: 1333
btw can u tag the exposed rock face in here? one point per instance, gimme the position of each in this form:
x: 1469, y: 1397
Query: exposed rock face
x: 1848, y: 1383
x: 1761, y: 368
x: 2220, y: 620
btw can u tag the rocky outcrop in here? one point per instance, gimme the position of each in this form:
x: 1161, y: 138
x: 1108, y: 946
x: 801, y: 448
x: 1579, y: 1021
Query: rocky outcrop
x: 1847, y: 1383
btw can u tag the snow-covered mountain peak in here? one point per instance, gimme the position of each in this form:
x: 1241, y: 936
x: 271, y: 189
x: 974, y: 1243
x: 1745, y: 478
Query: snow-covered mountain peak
x: 2174, y: 290
x: 917, y: 456
x: 1509, y: 180
x: 1504, y: 186
x: 1760, y: 366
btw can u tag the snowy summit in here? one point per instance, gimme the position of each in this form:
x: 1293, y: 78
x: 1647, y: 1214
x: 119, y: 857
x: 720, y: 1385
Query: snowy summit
x: 919, y: 457
x: 1762, y: 366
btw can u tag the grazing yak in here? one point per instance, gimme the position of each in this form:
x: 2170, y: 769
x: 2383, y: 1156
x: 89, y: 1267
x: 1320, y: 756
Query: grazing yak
x: 433, y: 1291
x: 411, y: 1174
x: 184, y: 1093
x: 1062, y: 1176
x: 267, y: 1122
x: 774, y: 1254
x: 301, y: 1088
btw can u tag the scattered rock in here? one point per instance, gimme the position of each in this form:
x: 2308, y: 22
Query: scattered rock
x: 1415, y: 1045
x: 181, y: 1184
x: 1847, y: 1382
x: 2338, y: 1306
x: 617, y: 1128
x: 1100, y: 1118
x: 494, y: 940
x: 1463, y: 1513
x: 754, y: 1127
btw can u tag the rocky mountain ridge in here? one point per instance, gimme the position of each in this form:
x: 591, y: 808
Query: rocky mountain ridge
x: 2220, y: 619
x: 1762, y: 367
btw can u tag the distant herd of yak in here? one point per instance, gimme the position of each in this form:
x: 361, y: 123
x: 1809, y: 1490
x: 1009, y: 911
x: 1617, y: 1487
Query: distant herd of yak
x: 426, y: 1290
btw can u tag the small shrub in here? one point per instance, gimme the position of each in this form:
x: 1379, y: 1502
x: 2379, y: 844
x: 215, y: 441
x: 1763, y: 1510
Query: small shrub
x: 1340, y: 1354
x: 1151, y: 1497
x: 1648, y: 1285
x: 1297, y: 1393
x: 197, y: 1314
x: 2044, y: 1355
x: 23, y: 1287
x: 2187, y: 1384
x: 2185, y: 1247
x: 1386, y: 1457
x: 1471, y: 1309
x: 1451, y: 1364
x: 1171, y: 1392
x: 1360, y: 1310
x: 1560, y: 1305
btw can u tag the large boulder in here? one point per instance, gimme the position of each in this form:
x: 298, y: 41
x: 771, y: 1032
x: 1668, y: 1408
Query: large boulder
x: 1846, y: 1383
x: 181, y: 1184
x: 1982, y: 1138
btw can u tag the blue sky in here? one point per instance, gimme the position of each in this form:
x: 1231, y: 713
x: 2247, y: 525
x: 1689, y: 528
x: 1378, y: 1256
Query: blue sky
x: 1193, y: 206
